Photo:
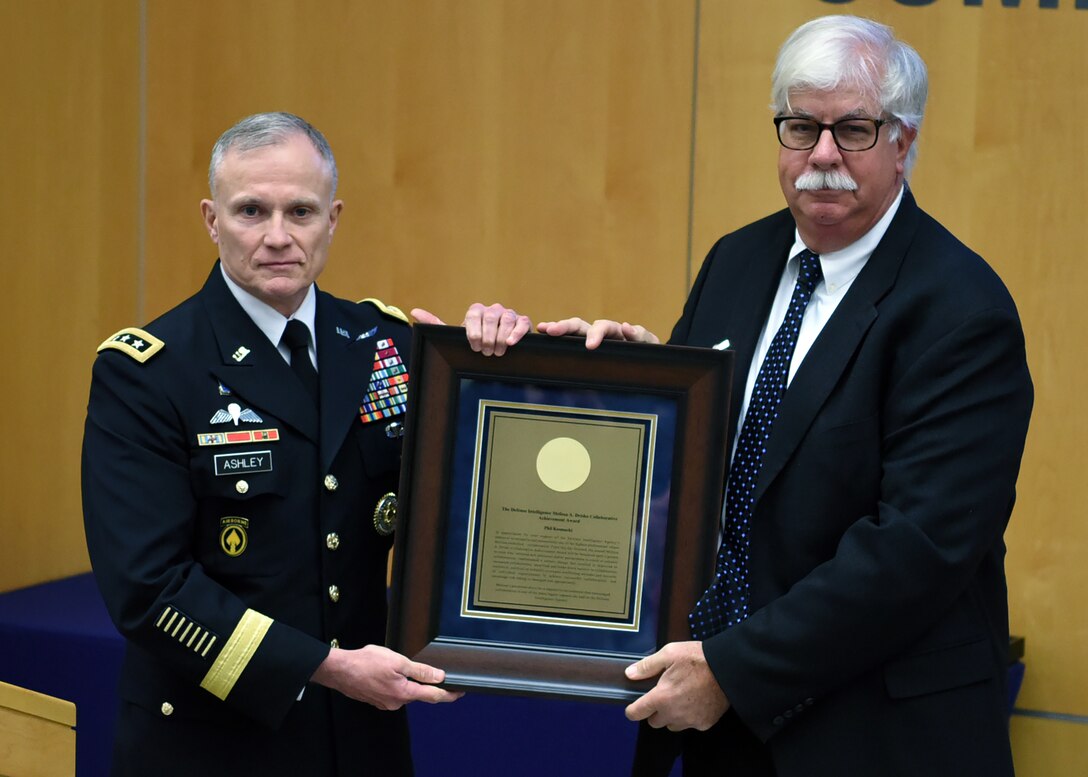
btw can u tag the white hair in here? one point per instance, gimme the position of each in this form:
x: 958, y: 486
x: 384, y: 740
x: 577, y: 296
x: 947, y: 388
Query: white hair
x: 833, y: 52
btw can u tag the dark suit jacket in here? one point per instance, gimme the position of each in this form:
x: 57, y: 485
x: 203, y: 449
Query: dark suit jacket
x: 215, y: 558
x: 879, y: 636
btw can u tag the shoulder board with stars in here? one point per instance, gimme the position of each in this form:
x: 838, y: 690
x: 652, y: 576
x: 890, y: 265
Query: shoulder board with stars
x: 389, y: 310
x: 137, y: 343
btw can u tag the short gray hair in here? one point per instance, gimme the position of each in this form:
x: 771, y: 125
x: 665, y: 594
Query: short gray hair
x: 848, y: 51
x: 269, y: 129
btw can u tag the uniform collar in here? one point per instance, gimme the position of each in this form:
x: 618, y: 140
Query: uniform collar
x: 267, y: 318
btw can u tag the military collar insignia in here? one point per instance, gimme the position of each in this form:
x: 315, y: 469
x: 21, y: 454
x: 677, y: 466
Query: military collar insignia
x: 224, y: 391
x: 235, y: 413
x: 137, y: 343
x: 343, y: 332
x: 240, y: 354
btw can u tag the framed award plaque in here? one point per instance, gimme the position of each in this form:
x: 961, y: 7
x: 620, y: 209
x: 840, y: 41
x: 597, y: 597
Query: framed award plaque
x: 559, y: 509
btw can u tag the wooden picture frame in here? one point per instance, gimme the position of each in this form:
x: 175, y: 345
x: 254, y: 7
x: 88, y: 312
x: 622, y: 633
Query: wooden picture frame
x: 519, y: 580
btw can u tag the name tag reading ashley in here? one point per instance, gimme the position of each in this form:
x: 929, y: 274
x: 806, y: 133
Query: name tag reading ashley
x: 237, y: 463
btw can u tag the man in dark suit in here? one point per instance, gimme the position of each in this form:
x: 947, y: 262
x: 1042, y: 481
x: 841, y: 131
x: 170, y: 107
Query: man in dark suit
x: 857, y: 622
x: 239, y: 462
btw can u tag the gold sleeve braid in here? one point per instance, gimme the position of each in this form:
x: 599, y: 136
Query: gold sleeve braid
x: 236, y: 654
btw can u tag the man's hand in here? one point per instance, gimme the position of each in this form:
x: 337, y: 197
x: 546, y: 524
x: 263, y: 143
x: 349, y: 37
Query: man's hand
x: 686, y: 696
x: 601, y: 329
x: 381, y: 677
x: 490, y: 330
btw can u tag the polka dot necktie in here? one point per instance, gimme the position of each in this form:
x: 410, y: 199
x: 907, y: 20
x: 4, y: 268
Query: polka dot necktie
x: 725, y: 601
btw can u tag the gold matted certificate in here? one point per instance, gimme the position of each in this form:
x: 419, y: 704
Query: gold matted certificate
x: 558, y: 509
x: 561, y: 492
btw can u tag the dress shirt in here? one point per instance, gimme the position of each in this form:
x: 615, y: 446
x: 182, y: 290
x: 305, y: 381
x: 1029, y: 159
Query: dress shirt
x: 840, y: 268
x: 271, y: 321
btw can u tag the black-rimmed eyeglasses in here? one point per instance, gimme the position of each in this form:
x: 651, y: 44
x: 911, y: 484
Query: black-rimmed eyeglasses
x: 801, y: 134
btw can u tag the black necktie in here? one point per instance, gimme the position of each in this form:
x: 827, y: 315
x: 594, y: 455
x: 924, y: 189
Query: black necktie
x: 725, y: 602
x: 297, y: 339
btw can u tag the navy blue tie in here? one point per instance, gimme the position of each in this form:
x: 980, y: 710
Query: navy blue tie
x: 725, y: 601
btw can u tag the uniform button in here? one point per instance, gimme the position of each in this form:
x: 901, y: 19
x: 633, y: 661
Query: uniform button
x: 331, y: 483
x: 788, y: 714
x: 332, y: 541
x: 334, y: 643
x: 241, y: 486
x: 167, y: 708
x: 334, y: 594
x: 799, y: 708
x: 809, y: 701
x: 779, y: 720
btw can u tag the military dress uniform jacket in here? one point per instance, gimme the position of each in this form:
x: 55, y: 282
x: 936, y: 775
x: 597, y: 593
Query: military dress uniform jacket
x: 878, y: 641
x: 230, y: 528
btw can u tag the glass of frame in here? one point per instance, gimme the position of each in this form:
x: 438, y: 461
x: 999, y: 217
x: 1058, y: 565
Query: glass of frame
x: 559, y: 509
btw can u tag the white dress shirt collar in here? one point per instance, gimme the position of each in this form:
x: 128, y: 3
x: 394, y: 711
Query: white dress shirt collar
x: 842, y: 266
x: 271, y: 321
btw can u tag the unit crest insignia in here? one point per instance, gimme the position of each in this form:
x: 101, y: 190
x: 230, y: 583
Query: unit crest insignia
x: 233, y: 535
x: 385, y: 514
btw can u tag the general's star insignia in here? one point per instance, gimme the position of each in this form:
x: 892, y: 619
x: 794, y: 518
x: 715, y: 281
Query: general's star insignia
x: 137, y: 343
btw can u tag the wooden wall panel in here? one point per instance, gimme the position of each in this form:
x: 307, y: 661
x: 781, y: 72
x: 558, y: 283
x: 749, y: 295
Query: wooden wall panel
x: 1044, y: 747
x: 533, y: 152
x: 70, y: 168
x: 1002, y: 163
x: 735, y: 179
x: 1027, y: 216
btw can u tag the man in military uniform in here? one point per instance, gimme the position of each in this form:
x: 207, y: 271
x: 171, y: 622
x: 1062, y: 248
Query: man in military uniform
x: 237, y: 500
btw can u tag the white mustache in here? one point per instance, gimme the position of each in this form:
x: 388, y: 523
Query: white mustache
x: 827, y: 179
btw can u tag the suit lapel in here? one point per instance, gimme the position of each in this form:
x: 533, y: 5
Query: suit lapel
x: 251, y: 366
x: 835, y: 346
x: 345, y: 365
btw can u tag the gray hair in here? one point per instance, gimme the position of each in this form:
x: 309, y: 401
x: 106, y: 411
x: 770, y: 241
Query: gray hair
x: 269, y: 129
x: 848, y: 51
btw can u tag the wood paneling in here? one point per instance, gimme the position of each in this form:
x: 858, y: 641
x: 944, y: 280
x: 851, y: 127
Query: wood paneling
x: 1044, y: 747
x: 37, y: 738
x: 70, y: 167
x: 1027, y: 195
x: 531, y: 152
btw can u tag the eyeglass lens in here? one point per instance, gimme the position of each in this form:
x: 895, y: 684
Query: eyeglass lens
x: 849, y: 134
